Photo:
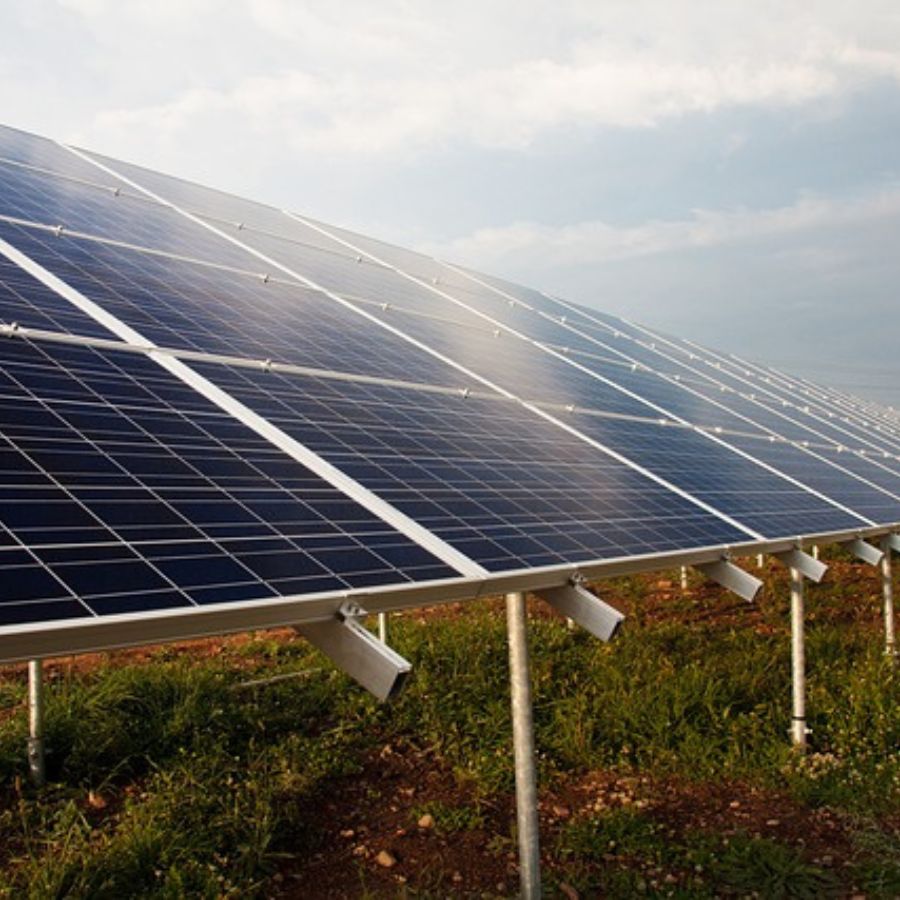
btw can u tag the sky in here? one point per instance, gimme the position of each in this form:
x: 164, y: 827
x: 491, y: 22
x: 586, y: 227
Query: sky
x: 724, y: 171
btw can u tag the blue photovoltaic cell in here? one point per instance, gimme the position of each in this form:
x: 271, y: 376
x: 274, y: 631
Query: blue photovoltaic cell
x: 122, y: 489
x: 27, y: 302
x: 870, y: 501
x: 879, y: 471
x: 490, y: 478
x: 197, y: 198
x: 64, y: 198
x: 183, y: 305
x: 699, y: 402
x: 767, y: 503
x: 848, y: 430
x: 836, y: 424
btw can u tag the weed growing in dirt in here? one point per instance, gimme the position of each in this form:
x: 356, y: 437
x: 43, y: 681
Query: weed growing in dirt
x: 199, y: 775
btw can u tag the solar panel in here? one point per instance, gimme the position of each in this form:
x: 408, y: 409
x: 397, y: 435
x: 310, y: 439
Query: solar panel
x: 505, y: 361
x: 510, y: 362
x: 500, y: 485
x: 190, y: 306
x: 209, y: 403
x: 658, y: 378
x: 841, y: 426
x: 124, y: 490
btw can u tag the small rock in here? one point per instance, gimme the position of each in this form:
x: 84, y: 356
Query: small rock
x: 426, y: 821
x: 561, y: 812
x: 385, y: 859
x: 360, y: 850
x: 670, y: 879
x: 347, y: 833
x: 735, y: 804
x: 456, y: 878
x: 568, y: 891
x: 95, y: 801
x: 772, y: 823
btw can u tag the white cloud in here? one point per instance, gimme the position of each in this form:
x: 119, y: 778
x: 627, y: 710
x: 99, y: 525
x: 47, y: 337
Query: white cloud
x: 596, y: 242
x: 399, y: 78
x: 490, y: 107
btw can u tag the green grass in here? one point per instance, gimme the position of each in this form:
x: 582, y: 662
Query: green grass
x: 623, y: 852
x: 214, y: 786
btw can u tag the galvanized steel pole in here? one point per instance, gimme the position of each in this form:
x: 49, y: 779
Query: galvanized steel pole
x: 888, y: 585
x: 798, y: 662
x: 523, y: 748
x: 36, y: 723
x: 382, y: 627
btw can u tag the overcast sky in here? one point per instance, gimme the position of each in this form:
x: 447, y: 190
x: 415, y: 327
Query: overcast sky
x: 727, y: 171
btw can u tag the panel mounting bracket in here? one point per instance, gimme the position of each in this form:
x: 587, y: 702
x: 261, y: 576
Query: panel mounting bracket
x: 358, y: 652
x: 865, y: 551
x: 806, y: 565
x: 575, y: 602
x: 726, y: 573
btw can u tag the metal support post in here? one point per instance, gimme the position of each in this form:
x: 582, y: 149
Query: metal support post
x: 888, y: 586
x: 382, y: 627
x: 36, y: 723
x: 760, y: 560
x: 798, y: 662
x: 523, y: 748
x: 684, y: 578
x: 815, y: 552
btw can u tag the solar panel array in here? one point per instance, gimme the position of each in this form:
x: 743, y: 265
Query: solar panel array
x: 210, y: 401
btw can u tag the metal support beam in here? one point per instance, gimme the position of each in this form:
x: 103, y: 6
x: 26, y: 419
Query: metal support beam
x: 684, y: 578
x: 807, y: 565
x: 888, y: 543
x: 865, y: 551
x: 36, y: 763
x: 798, y: 662
x: 730, y: 576
x: 383, y: 627
x: 357, y: 651
x: 587, y: 610
x: 523, y: 749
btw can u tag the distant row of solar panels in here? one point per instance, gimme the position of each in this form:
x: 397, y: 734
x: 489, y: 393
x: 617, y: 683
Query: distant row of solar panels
x: 206, y: 401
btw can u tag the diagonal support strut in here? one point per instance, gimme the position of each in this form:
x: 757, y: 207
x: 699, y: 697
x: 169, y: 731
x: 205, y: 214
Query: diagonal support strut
x: 865, y: 551
x: 735, y: 579
x: 808, y: 566
x: 358, y: 652
x: 575, y: 602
